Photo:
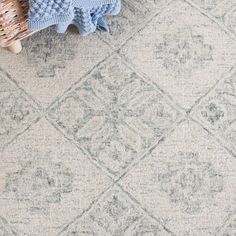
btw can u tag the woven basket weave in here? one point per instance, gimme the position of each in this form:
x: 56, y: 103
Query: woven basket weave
x: 13, y: 21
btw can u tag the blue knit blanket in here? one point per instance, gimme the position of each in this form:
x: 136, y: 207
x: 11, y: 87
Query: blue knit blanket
x: 87, y: 15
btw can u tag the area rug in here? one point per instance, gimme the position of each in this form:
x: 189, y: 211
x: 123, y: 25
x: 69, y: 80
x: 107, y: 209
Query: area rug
x: 131, y: 133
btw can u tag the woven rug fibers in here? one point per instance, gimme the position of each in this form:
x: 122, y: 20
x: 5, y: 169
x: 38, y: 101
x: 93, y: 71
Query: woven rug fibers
x: 131, y: 133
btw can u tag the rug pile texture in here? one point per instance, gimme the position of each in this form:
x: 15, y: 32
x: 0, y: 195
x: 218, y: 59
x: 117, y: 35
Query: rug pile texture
x: 132, y: 136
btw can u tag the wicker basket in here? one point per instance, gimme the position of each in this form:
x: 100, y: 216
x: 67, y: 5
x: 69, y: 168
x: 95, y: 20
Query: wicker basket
x: 13, y: 22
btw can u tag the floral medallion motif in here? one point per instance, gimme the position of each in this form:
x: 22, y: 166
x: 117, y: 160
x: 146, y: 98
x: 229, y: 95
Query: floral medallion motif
x: 212, y: 113
x: 40, y: 182
x: 50, y: 51
x: 218, y: 110
x: 114, y: 115
x: 117, y: 215
x: 183, y: 50
x: 188, y: 181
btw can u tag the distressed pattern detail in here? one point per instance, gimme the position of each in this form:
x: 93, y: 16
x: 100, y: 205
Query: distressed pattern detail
x: 117, y: 215
x: 46, y: 185
x: 229, y: 227
x: 181, y: 52
x: 55, y: 54
x: 223, y: 11
x: 5, y: 229
x: 41, y: 180
x: 126, y: 133
x: 218, y: 111
x: 118, y: 115
x: 187, y: 181
x: 17, y: 112
x: 184, y: 182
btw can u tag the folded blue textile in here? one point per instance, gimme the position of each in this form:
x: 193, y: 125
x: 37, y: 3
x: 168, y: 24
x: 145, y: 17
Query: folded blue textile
x: 86, y: 15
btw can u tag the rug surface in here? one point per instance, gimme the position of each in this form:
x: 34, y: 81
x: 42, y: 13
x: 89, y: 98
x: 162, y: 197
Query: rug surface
x: 131, y: 133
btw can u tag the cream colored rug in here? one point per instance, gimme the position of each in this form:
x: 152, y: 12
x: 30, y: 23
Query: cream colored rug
x: 131, y: 133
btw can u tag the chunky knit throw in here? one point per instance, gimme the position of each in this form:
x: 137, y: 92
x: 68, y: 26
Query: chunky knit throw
x: 87, y: 15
